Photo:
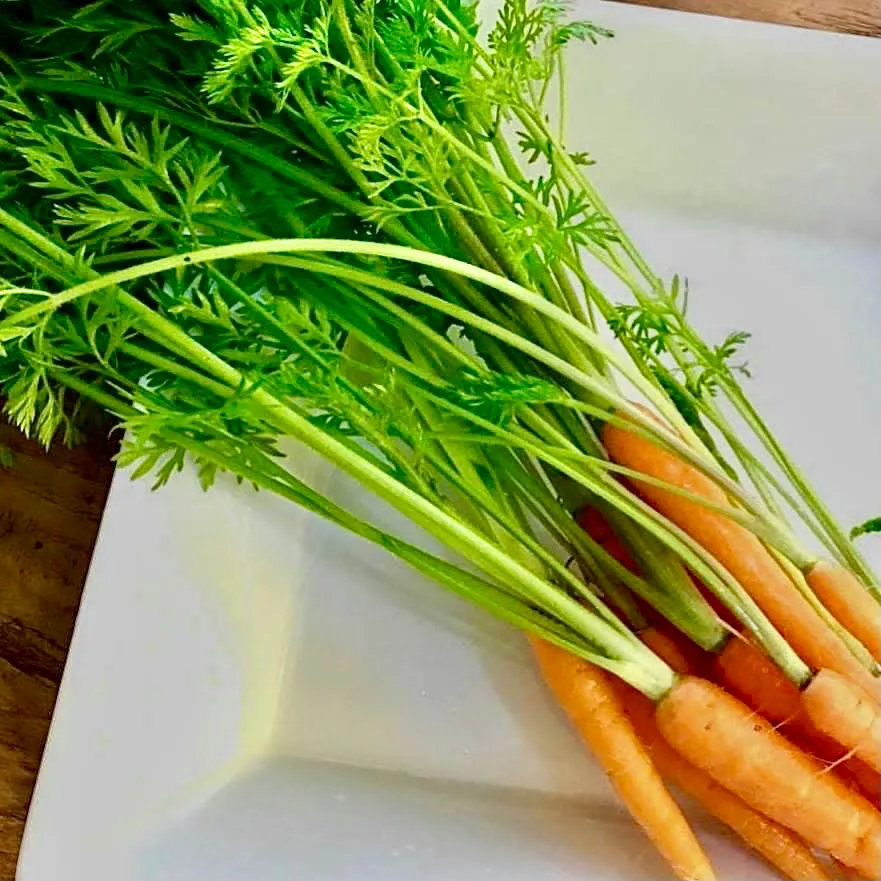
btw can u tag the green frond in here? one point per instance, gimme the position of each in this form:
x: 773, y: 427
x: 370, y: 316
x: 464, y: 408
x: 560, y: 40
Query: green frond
x: 235, y: 57
x: 195, y: 30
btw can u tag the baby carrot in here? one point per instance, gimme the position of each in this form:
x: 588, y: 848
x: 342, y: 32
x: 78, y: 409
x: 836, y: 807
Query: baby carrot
x: 863, y: 777
x: 750, y: 675
x: 755, y: 679
x: 840, y: 709
x: 586, y: 694
x: 742, y: 752
x: 847, y: 599
x: 678, y: 652
x: 737, y: 549
x: 778, y: 845
x: 597, y: 527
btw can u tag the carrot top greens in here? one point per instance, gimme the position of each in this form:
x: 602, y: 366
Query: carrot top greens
x: 237, y: 222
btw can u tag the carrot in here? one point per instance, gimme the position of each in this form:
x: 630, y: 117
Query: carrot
x: 847, y: 599
x: 863, y: 777
x: 589, y: 699
x: 737, y: 549
x: 669, y: 649
x: 598, y: 528
x: 767, y: 691
x: 742, y: 752
x: 777, y: 844
x: 680, y: 654
x: 840, y: 709
x: 843, y: 871
x: 750, y: 675
x: 746, y: 671
x: 595, y: 525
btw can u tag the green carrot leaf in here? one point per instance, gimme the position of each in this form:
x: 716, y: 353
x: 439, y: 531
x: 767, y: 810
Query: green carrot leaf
x: 582, y: 31
x: 872, y: 525
x: 497, y: 397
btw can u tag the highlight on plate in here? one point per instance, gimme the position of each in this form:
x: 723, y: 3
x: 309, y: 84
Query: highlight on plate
x: 359, y: 225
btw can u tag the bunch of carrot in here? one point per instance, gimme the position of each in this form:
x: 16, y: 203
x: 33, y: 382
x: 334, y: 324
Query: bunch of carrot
x: 140, y: 272
x: 794, y: 772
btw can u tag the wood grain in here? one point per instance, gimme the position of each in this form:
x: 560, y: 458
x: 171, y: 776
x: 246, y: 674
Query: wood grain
x: 50, y: 507
x: 846, y: 16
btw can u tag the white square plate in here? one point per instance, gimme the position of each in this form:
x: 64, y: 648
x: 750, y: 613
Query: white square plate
x: 252, y: 695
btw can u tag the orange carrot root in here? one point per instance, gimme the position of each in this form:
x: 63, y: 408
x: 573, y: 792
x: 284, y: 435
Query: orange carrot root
x: 842, y: 593
x: 777, y: 844
x: 844, y: 874
x: 840, y: 709
x: 598, y: 528
x: 587, y: 695
x: 742, y: 752
x: 678, y: 652
x: 864, y: 778
x: 737, y: 549
x: 750, y: 675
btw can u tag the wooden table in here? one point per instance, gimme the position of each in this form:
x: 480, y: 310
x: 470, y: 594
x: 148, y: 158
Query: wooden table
x: 847, y: 16
x: 50, y: 508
